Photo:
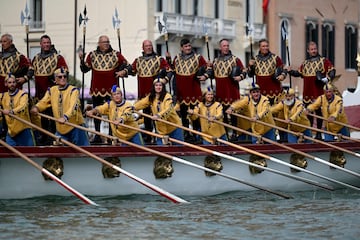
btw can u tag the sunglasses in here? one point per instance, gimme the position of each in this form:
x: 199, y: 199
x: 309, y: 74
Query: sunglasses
x: 61, y: 76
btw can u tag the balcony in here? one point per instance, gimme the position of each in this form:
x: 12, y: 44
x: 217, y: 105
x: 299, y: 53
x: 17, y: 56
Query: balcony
x: 197, y: 26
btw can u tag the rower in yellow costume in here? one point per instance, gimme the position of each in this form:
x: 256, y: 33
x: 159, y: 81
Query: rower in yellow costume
x: 15, y: 101
x: 259, y: 107
x: 213, y: 111
x: 332, y: 108
x: 162, y: 107
x: 119, y: 110
x: 65, y: 103
x: 293, y: 110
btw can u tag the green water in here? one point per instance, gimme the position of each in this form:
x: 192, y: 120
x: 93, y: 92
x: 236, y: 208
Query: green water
x: 237, y: 215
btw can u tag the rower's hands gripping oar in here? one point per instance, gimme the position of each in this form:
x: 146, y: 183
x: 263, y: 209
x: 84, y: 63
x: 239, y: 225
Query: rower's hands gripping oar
x: 333, y: 121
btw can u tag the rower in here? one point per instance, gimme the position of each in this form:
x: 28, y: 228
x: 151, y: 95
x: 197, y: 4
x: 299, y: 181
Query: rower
x: 259, y: 107
x: 332, y: 108
x: 119, y: 111
x: 293, y: 111
x: 214, y: 111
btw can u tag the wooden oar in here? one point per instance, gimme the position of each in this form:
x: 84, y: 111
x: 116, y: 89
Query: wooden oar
x: 314, y: 140
x: 336, y: 122
x: 318, y: 130
x: 236, y: 159
x: 241, y: 148
x: 276, y: 159
x: 185, y: 162
x: 156, y: 189
x: 49, y: 174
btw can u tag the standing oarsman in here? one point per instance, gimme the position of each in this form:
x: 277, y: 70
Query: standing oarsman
x: 228, y: 72
x: 12, y: 61
x: 107, y: 66
x: 190, y: 69
x: 316, y: 72
x: 148, y: 67
x: 269, y: 72
x: 43, y: 67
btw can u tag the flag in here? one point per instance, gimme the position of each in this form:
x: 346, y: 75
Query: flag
x: 265, y: 6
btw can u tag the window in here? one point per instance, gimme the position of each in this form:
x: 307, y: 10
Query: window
x: 284, y: 36
x: 311, y: 31
x: 159, y: 5
x: 196, y: 8
x: 351, y: 34
x: 178, y: 6
x: 36, y: 14
x: 328, y: 41
x: 216, y: 8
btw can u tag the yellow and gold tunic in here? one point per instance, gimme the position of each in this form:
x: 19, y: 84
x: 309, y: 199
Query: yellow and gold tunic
x: 333, y: 108
x: 65, y: 102
x: 16, y: 102
x: 295, y: 113
x: 164, y: 109
x: 119, y: 112
x: 260, y: 110
x: 214, y: 109
x: 242, y: 122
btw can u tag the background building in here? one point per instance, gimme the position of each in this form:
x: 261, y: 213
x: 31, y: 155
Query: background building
x: 333, y: 24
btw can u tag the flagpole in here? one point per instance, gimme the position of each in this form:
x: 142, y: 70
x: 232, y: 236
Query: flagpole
x: 25, y: 18
x: 83, y: 19
x: 116, y: 24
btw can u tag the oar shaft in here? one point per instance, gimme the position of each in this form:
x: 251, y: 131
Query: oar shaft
x: 309, y: 138
x: 233, y: 158
x: 336, y: 122
x: 49, y: 174
x: 305, y: 137
x: 156, y: 189
x: 189, y: 163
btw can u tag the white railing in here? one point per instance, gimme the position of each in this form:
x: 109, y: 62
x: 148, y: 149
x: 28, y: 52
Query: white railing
x: 197, y: 26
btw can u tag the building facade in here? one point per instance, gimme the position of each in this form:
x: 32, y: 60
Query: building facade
x: 332, y: 24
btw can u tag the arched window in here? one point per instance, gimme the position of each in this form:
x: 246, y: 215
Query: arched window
x: 311, y: 31
x: 328, y: 41
x: 351, y: 34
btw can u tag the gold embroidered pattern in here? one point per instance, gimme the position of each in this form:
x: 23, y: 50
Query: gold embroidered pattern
x: 222, y: 68
x: 104, y: 62
x: 9, y: 64
x: 45, y: 67
x: 187, y: 67
x: 311, y: 67
x: 148, y: 67
x: 265, y: 67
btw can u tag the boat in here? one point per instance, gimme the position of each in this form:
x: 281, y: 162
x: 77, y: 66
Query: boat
x: 19, y: 179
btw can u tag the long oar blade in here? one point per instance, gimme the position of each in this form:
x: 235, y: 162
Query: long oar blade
x: 183, y: 161
x: 314, y: 140
x: 324, y: 186
x: 49, y: 174
x: 156, y: 189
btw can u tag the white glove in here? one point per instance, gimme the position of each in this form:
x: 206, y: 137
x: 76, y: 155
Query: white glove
x: 325, y: 80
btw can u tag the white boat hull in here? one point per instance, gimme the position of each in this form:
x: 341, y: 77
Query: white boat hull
x: 19, y: 179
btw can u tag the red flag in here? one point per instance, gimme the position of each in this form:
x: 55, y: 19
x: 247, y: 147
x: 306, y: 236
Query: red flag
x: 265, y: 6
